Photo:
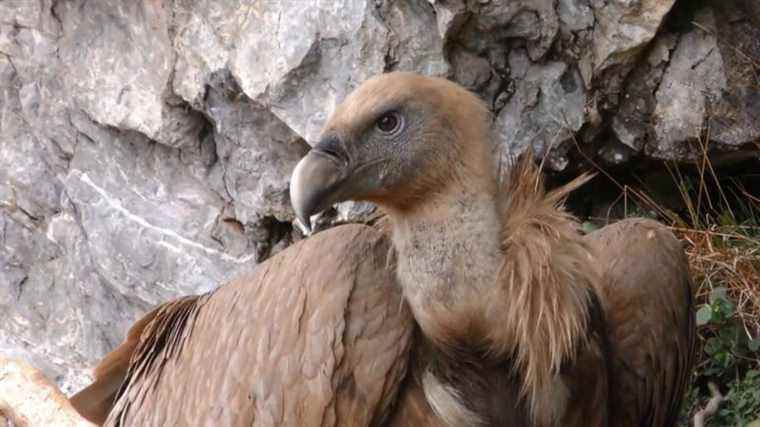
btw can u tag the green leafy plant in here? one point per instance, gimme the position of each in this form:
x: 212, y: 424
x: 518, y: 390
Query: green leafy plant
x: 729, y: 358
x: 727, y: 342
x: 742, y: 402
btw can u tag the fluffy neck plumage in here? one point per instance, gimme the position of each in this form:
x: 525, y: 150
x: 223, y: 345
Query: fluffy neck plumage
x: 504, y: 273
x: 449, y: 256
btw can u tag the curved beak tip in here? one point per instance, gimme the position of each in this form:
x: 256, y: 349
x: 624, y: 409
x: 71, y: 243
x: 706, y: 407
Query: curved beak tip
x: 304, y: 225
x: 313, y: 187
x: 297, y: 198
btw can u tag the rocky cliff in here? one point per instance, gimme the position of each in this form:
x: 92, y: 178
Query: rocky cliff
x: 146, y: 146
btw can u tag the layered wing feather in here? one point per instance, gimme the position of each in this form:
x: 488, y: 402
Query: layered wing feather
x: 316, y: 335
x: 95, y: 401
x: 649, y: 311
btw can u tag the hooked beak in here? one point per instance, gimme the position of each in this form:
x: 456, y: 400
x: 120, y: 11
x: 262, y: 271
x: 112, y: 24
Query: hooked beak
x: 319, y: 180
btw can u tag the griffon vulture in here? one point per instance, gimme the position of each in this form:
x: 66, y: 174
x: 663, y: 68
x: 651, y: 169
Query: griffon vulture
x: 480, y: 305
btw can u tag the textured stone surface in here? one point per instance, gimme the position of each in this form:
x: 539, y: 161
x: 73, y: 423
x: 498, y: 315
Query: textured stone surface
x: 694, y: 78
x: 128, y: 55
x: 146, y: 147
x: 624, y: 27
x: 546, y: 109
x: 632, y: 122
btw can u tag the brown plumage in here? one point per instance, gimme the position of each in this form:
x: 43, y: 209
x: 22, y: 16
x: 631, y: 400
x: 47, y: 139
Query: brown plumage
x: 482, y: 304
x: 316, y: 334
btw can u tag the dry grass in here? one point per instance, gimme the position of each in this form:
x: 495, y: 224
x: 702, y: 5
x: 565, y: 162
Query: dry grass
x: 727, y: 257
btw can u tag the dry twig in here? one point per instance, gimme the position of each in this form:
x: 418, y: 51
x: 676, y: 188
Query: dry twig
x: 711, y: 408
x: 28, y: 398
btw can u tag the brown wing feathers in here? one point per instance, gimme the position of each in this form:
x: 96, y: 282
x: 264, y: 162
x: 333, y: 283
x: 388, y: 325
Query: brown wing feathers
x: 650, y: 319
x: 294, y: 343
x: 158, y: 330
x: 95, y: 401
x: 161, y: 339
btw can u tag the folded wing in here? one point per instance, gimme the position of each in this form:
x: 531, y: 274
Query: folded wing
x: 316, y: 334
x: 649, y: 311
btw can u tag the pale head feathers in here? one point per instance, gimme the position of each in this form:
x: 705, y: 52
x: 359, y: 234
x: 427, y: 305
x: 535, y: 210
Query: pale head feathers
x: 441, y: 114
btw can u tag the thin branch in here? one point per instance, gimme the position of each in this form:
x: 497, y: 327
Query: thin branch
x: 711, y: 408
x: 29, y: 399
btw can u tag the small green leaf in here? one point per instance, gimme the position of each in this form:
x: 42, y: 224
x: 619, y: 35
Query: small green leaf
x: 718, y: 294
x: 754, y: 345
x: 728, y: 309
x: 589, y: 227
x: 723, y: 358
x: 704, y: 315
x: 727, y: 219
x: 713, y: 347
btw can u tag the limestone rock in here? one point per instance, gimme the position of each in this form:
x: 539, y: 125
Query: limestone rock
x: 545, y: 111
x: 129, y: 60
x: 624, y: 27
x: 694, y: 78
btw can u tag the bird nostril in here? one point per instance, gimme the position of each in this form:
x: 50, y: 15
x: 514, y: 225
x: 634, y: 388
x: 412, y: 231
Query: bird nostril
x: 334, y: 155
x: 330, y: 152
x: 331, y: 147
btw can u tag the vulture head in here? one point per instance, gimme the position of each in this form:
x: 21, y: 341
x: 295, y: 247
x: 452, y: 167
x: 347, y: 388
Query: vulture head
x: 397, y: 140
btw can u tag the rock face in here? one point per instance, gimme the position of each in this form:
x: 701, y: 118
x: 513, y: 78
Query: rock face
x: 146, y: 147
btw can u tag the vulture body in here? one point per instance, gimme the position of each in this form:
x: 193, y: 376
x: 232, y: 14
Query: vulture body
x: 480, y: 303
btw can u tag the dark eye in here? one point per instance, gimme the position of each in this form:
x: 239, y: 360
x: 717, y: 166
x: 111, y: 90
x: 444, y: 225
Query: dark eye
x: 389, y: 123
